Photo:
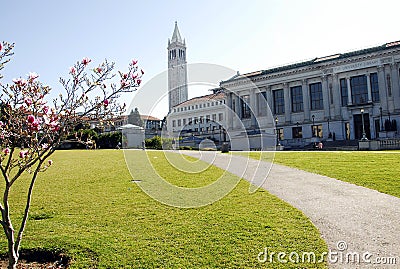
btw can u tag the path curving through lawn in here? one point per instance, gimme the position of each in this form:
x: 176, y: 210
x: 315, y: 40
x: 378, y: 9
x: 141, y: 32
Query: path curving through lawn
x: 356, y: 222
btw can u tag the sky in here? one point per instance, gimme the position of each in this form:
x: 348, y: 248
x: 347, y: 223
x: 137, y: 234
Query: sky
x: 245, y: 36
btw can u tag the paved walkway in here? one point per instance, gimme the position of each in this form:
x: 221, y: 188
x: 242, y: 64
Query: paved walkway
x: 367, y: 220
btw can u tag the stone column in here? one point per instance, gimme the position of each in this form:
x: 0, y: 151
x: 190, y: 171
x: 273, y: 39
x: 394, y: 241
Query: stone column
x: 288, y: 110
x: 337, y: 97
x: 350, y: 102
x: 369, y: 88
x: 229, y: 110
x: 306, y: 99
x: 253, y: 106
x: 269, y: 99
x: 325, y: 97
x: 382, y: 88
x: 396, y: 85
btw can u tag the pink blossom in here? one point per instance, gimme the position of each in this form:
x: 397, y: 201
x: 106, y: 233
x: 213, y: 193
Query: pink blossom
x: 138, y: 81
x: 19, y: 81
x: 23, y: 154
x: 72, y: 70
x: 45, y: 109
x: 125, y: 76
x: 134, y: 76
x: 1, y: 46
x: 32, y: 76
x: 54, y: 126
x: 141, y: 70
x: 31, y: 119
x: 98, y: 69
x: 6, y: 151
x: 124, y: 83
x: 106, y: 102
x: 86, y: 61
x: 28, y: 101
x: 1, y: 124
x: 134, y: 62
x: 50, y: 162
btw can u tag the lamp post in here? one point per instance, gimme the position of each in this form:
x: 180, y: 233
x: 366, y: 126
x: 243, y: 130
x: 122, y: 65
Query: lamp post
x: 364, y: 137
x: 276, y: 132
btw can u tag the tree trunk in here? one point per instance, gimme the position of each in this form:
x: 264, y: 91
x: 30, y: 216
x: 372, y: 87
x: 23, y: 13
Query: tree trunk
x: 12, y: 254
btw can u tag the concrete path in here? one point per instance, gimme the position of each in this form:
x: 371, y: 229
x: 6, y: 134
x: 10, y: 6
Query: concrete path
x: 363, y: 221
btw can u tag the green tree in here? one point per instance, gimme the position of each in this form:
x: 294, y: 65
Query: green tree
x: 134, y: 118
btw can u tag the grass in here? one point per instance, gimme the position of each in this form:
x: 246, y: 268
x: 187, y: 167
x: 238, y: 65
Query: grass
x: 87, y: 206
x: 375, y: 170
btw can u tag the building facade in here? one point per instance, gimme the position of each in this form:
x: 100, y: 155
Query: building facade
x: 344, y: 96
x: 201, y: 117
x: 177, y: 69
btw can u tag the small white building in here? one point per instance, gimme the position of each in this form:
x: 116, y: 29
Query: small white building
x: 132, y: 136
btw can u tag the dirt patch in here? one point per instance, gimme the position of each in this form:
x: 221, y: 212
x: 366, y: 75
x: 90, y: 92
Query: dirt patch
x: 39, y: 259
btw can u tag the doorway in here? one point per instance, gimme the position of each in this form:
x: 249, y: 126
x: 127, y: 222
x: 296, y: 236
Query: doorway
x: 358, y: 128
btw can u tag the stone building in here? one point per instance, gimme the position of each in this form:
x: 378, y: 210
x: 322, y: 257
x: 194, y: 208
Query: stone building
x: 345, y: 96
x: 201, y: 117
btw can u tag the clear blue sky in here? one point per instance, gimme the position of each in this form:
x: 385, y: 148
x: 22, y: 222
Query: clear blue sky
x: 245, y: 36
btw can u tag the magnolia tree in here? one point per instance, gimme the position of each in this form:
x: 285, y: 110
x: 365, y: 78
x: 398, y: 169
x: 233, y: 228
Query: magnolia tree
x: 33, y: 127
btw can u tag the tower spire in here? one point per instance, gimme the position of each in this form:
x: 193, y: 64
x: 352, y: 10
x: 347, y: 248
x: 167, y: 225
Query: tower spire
x: 176, y: 36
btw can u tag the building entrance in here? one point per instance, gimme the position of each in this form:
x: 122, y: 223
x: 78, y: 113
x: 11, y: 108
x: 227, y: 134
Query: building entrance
x: 358, y: 128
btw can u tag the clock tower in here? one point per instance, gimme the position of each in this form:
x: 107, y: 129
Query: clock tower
x: 177, y: 70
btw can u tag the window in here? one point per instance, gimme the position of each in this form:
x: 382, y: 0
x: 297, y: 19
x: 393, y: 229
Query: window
x: 201, y: 119
x: 207, y: 118
x: 374, y: 87
x: 184, y: 122
x: 173, y: 123
x: 262, y: 103
x: 179, y: 123
x: 244, y: 104
x: 214, y: 117
x: 297, y: 98
x: 359, y: 90
x: 297, y: 132
x: 279, y: 102
x: 389, y: 85
x: 220, y: 117
x: 316, y: 98
x: 343, y: 92
x: 200, y: 105
x: 197, y: 106
x: 195, y: 120
x: 316, y: 130
x: 190, y: 121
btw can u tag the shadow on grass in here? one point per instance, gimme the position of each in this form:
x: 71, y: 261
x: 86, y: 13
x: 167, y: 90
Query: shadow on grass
x: 39, y: 258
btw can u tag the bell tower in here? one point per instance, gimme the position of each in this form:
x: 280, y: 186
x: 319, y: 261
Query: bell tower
x: 177, y: 70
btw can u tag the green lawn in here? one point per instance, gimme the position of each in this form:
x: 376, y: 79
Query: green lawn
x: 86, y: 205
x: 375, y: 170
